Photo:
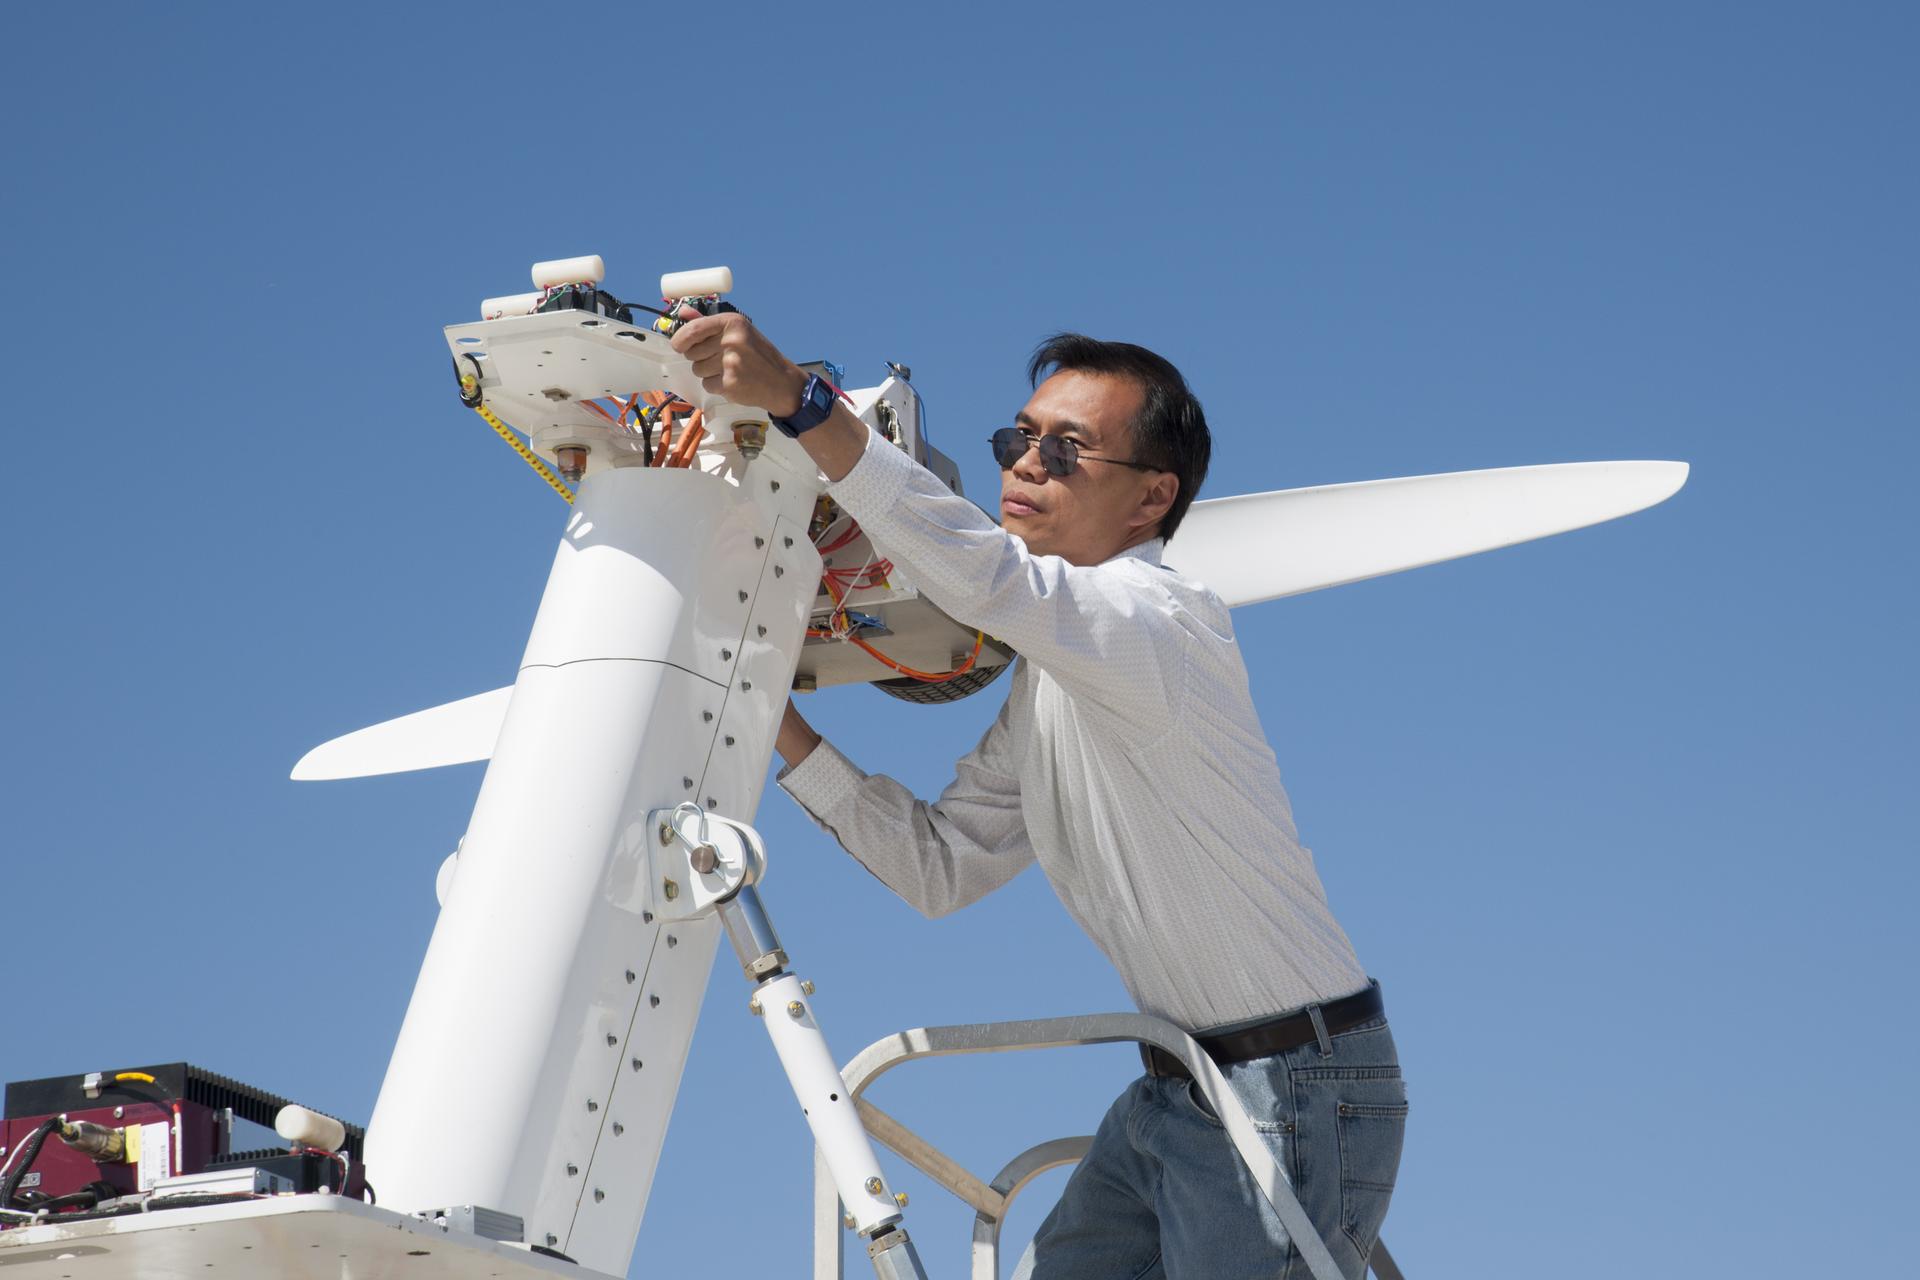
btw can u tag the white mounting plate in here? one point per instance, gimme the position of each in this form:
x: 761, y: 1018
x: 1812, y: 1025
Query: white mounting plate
x: 670, y: 859
x: 307, y: 1237
x: 545, y: 362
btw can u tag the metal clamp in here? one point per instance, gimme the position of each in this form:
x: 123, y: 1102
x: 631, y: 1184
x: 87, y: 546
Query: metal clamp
x: 698, y: 860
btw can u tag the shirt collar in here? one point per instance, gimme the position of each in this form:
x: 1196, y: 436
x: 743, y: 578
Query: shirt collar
x: 1149, y: 551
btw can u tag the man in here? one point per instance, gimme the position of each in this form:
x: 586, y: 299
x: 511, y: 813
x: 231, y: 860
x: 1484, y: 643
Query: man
x: 1129, y: 762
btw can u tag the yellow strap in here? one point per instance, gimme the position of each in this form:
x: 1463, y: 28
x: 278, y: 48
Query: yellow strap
x: 527, y: 455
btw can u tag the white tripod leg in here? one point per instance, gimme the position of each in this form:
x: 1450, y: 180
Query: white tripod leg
x: 717, y: 862
x: 781, y: 1001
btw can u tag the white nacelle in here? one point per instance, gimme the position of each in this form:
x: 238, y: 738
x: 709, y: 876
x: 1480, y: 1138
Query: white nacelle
x: 656, y: 673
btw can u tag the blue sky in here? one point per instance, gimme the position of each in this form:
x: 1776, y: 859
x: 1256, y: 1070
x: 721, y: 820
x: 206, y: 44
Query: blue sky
x: 1616, y: 818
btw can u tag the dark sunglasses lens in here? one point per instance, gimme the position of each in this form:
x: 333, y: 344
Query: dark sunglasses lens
x: 1009, y: 443
x: 1058, y: 455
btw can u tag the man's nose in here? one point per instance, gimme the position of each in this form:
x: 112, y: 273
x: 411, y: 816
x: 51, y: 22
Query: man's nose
x: 1028, y: 466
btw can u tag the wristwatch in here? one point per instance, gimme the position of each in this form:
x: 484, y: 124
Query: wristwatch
x: 816, y: 402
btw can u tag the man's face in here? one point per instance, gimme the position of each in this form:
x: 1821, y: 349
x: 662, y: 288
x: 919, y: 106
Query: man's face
x: 1102, y: 507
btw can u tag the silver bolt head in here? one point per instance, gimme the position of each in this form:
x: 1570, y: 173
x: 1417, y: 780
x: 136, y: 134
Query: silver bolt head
x: 874, y: 1186
x: 795, y: 1009
x: 806, y: 985
x: 671, y: 889
x: 753, y: 1007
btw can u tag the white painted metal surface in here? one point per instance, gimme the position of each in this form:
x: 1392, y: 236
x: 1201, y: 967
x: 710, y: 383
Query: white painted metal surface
x: 1267, y: 545
x: 452, y: 733
x: 674, y: 606
x: 308, y: 1237
x: 827, y: 1102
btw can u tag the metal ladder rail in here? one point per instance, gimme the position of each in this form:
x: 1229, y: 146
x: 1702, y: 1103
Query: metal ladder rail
x: 990, y: 1201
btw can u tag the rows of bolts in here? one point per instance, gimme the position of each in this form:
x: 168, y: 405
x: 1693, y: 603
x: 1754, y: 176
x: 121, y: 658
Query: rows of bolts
x: 672, y: 891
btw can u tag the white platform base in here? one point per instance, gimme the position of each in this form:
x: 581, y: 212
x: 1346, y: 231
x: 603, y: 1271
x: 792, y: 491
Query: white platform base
x: 309, y: 1237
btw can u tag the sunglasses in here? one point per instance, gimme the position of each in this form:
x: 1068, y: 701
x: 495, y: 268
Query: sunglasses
x: 1058, y: 454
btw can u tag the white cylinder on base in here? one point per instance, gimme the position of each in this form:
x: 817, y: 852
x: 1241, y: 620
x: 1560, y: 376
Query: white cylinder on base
x: 513, y: 304
x: 586, y: 270
x: 308, y: 1128
x: 696, y: 284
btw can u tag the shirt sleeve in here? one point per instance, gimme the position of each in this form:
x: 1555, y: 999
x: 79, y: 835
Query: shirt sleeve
x: 939, y: 856
x: 1111, y: 633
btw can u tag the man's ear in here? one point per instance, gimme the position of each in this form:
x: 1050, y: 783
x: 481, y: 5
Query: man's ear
x: 1156, y: 501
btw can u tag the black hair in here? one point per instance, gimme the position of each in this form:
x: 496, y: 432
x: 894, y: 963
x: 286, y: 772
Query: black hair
x: 1170, y: 433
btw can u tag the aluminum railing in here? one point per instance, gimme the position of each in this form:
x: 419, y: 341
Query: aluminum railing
x: 991, y: 1200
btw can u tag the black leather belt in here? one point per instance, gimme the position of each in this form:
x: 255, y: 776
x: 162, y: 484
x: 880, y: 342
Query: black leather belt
x: 1264, y: 1039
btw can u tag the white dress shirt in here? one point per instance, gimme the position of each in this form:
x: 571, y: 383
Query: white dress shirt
x: 1128, y: 760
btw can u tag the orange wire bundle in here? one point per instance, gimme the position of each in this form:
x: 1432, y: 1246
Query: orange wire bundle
x: 834, y: 589
x: 668, y: 411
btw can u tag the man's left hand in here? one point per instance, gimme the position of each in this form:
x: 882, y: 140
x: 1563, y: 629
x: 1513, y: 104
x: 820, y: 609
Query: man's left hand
x: 733, y: 359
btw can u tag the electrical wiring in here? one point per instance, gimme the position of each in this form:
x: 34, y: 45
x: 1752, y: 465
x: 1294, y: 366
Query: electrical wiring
x: 927, y: 677
x: 602, y: 413
x: 841, y: 627
x: 335, y: 1156
x: 852, y: 532
x: 27, y: 1152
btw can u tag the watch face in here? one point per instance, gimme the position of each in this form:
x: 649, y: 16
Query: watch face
x: 822, y: 397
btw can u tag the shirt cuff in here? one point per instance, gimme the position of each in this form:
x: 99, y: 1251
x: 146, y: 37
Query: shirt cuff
x: 877, y: 481
x: 823, y: 781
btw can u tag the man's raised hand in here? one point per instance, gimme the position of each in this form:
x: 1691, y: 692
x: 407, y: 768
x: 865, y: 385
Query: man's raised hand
x: 733, y: 359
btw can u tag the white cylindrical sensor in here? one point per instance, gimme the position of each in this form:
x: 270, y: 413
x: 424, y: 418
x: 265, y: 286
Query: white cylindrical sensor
x: 696, y: 284
x: 587, y: 270
x: 309, y: 1128
x: 516, y: 304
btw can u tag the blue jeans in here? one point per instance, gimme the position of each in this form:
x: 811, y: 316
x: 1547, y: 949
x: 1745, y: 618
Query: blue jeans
x: 1163, y: 1193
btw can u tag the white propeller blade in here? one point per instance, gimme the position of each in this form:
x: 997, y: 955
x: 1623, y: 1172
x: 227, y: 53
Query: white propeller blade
x: 453, y: 733
x: 1267, y: 545
x: 1258, y: 547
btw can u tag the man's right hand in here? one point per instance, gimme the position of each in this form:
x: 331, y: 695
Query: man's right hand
x: 796, y: 739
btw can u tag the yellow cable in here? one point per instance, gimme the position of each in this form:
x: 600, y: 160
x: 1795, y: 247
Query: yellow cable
x: 141, y: 1076
x: 527, y: 455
